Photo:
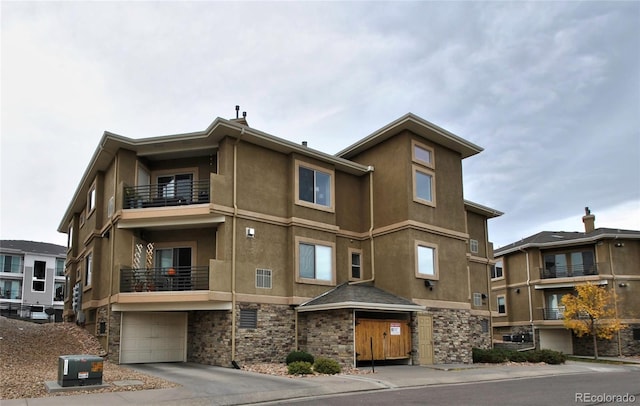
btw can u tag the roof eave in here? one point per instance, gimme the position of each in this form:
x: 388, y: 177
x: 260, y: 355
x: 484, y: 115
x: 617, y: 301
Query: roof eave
x: 572, y: 242
x: 483, y: 210
x: 361, y: 306
x: 416, y: 125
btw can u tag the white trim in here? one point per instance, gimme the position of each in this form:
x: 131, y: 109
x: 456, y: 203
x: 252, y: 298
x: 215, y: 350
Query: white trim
x: 360, y: 306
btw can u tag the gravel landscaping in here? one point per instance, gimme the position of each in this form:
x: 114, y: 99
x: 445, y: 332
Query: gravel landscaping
x: 29, y: 356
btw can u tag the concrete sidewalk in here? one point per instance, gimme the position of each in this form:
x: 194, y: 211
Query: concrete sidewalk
x: 281, y: 388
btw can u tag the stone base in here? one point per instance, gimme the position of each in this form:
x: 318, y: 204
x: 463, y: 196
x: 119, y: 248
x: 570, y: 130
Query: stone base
x: 54, y: 387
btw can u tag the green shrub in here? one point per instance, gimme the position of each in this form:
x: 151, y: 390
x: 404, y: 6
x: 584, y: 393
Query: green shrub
x: 326, y: 366
x: 299, y: 356
x: 552, y: 357
x: 516, y: 356
x: 533, y: 356
x: 299, y: 368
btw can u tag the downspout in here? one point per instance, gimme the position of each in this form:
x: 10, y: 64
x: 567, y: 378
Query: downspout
x: 615, y: 298
x: 233, y: 247
x: 488, y: 274
x: 533, y: 331
x: 111, y: 243
x: 372, y: 245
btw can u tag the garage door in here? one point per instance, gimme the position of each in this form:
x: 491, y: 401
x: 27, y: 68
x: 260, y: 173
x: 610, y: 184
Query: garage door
x: 557, y: 340
x: 153, y: 337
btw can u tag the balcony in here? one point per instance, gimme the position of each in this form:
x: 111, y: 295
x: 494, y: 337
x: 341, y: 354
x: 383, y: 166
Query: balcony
x: 164, y: 279
x: 553, y: 313
x: 166, y: 195
x: 568, y: 271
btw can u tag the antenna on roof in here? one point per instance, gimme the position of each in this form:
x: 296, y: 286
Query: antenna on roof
x: 237, y: 111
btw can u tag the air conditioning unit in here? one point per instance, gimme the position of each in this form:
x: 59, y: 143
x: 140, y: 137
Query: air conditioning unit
x: 79, y: 370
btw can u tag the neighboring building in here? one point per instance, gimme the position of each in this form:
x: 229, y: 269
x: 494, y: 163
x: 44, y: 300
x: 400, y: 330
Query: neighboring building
x: 231, y: 244
x: 531, y: 276
x: 32, y: 280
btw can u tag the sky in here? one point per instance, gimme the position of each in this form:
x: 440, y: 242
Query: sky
x: 550, y: 90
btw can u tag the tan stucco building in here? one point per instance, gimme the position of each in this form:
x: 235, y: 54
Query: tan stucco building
x: 231, y: 244
x: 531, y: 276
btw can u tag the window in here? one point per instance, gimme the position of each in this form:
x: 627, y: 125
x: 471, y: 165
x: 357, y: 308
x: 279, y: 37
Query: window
x: 70, y: 236
x: 423, y: 186
x: 10, y: 289
x: 315, y: 186
x: 502, y: 306
x: 263, y: 278
x: 88, y: 269
x: 356, y: 264
x: 58, y: 291
x: 59, y: 267
x: 563, y: 265
x: 11, y: 264
x: 636, y: 333
x: 496, y: 270
x: 176, y: 186
x: 477, y: 299
x: 426, y: 261
x: 422, y: 154
x: 91, y: 199
x: 473, y: 246
x: 316, y: 262
x: 39, y: 274
x: 248, y: 318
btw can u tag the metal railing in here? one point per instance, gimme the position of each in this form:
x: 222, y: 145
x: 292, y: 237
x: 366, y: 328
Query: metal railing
x: 183, y: 193
x: 553, y: 313
x: 164, y: 279
x: 568, y: 271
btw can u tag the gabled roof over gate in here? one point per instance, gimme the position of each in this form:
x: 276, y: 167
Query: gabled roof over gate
x: 359, y: 296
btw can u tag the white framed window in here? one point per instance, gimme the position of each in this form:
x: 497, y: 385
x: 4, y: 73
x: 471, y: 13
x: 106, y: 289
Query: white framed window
x: 91, y: 199
x: 59, y: 267
x: 422, y: 154
x: 58, y: 291
x: 88, y: 269
x: 477, y: 299
x: 10, y: 289
x: 473, y: 246
x: 497, y: 270
x: 355, y: 264
x: 314, y: 186
x: 264, y: 278
x: 426, y: 260
x: 39, y: 276
x: 502, y: 304
x: 424, y: 186
x: 69, y: 235
x: 315, y: 262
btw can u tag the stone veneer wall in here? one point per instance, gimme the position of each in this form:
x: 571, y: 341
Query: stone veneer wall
x: 480, y: 335
x: 628, y: 346
x: 452, y: 336
x: 274, y: 338
x: 328, y: 334
x: 209, y: 337
x: 114, y: 337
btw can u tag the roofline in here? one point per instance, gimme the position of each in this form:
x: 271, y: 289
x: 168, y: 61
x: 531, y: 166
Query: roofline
x: 110, y: 143
x: 484, y: 210
x: 576, y: 241
x: 361, y: 306
x: 466, y: 148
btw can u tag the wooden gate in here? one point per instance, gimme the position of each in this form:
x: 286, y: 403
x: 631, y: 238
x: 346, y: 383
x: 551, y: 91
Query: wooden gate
x: 391, y: 339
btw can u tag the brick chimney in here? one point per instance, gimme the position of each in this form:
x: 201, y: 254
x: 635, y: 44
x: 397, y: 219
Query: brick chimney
x: 589, y: 220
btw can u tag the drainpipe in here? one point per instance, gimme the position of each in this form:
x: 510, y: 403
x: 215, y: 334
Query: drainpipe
x: 233, y: 247
x: 373, y: 256
x: 111, y: 243
x: 533, y: 331
x: 488, y: 274
x: 615, y: 298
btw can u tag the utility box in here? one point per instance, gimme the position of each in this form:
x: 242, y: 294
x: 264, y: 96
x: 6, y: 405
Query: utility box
x: 79, y: 370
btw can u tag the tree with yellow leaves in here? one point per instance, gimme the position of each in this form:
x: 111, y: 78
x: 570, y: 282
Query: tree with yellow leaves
x: 591, y: 312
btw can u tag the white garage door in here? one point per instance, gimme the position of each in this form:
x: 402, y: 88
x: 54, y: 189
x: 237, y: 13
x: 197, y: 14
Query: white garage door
x: 556, y: 339
x: 153, y: 337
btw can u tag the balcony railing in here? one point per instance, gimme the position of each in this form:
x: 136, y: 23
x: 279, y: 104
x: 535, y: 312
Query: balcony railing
x: 182, y: 193
x: 568, y: 271
x: 553, y: 313
x: 164, y: 279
